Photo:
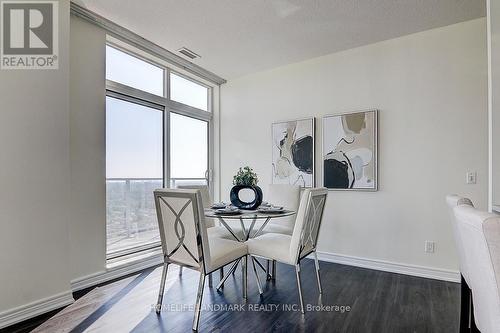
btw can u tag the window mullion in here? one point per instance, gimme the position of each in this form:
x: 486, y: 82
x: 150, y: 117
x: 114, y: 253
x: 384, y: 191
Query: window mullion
x: 166, y: 148
x: 167, y: 84
x: 189, y: 111
x: 166, y: 129
x: 135, y: 100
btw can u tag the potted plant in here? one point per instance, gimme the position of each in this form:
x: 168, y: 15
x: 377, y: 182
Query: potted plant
x: 246, y: 178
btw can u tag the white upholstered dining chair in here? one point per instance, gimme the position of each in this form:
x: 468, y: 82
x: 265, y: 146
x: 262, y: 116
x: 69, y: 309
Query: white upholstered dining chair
x: 185, y: 241
x: 206, y: 198
x: 479, y: 233
x: 453, y: 201
x: 287, y: 196
x: 213, y: 229
x: 291, y: 249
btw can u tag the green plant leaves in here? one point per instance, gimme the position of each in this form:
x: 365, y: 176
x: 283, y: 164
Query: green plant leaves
x: 245, y: 176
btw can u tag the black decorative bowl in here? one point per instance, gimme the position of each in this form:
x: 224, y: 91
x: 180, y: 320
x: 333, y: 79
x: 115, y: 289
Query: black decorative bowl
x: 236, y: 201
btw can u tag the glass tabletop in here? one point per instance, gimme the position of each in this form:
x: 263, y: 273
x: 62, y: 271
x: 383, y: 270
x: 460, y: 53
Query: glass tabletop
x: 248, y: 214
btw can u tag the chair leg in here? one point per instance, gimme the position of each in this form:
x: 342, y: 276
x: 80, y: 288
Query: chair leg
x: 210, y: 282
x: 268, y: 274
x: 299, y: 285
x: 180, y: 271
x: 465, y: 306
x: 259, y: 265
x: 231, y: 271
x: 256, y: 275
x: 244, y: 262
x: 162, y: 287
x: 274, y: 270
x: 221, y: 273
x: 199, y: 300
x: 317, y: 272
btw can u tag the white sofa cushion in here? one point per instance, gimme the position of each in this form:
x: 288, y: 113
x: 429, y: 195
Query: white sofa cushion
x: 453, y: 201
x: 480, y: 234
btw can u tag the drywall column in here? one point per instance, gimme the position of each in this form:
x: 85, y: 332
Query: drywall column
x: 35, y: 184
x: 88, y: 149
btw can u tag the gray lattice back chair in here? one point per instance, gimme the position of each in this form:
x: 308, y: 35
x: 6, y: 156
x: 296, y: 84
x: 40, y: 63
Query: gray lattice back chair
x: 206, y: 198
x: 292, y: 249
x: 185, y: 242
x: 306, y: 232
x: 308, y: 222
x: 181, y: 226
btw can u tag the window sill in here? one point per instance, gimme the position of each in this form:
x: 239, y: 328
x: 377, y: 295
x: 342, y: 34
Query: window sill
x: 119, y: 268
x: 154, y: 255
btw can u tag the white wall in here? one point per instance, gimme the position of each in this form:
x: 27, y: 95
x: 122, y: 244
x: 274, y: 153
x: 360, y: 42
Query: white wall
x: 431, y: 90
x: 87, y: 146
x: 34, y: 179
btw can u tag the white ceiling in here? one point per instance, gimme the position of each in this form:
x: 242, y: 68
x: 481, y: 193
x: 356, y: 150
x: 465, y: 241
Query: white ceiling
x: 239, y: 37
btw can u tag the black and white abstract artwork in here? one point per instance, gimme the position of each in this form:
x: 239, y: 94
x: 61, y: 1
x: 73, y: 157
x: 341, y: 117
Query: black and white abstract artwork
x: 350, y: 151
x: 293, y: 152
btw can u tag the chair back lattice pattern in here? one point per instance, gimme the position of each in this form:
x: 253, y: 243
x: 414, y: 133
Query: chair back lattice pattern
x: 309, y: 218
x: 181, y: 223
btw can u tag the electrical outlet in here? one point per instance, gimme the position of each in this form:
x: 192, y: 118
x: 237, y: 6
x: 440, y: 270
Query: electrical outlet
x: 471, y: 177
x: 430, y: 247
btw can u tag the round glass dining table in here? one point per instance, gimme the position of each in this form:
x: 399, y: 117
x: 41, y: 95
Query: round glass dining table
x: 247, y: 219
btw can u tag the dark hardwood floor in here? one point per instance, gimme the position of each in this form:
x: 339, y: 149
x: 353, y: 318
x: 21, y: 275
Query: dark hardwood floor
x: 360, y: 300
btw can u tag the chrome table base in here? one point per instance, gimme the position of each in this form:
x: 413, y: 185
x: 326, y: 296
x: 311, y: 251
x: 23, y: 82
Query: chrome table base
x: 244, y: 266
x: 255, y: 261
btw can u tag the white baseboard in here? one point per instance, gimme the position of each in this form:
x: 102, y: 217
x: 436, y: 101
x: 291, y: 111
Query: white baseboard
x: 115, y: 271
x: 387, y: 266
x: 36, y: 308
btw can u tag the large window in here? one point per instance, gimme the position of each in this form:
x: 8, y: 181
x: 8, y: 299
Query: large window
x: 157, y: 134
x: 131, y: 71
x: 188, y: 92
x: 134, y: 168
x: 188, y: 150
